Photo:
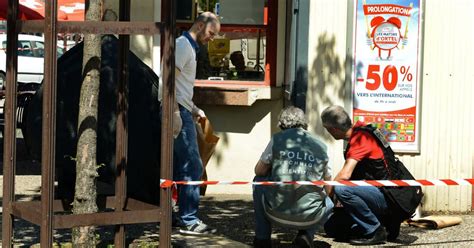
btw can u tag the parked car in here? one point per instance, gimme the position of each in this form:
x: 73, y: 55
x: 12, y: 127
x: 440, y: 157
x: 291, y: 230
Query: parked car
x: 30, y: 58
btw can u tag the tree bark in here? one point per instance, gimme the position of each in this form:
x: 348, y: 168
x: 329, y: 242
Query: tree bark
x: 86, y: 162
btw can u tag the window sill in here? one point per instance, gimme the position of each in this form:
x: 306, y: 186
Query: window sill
x: 234, y: 94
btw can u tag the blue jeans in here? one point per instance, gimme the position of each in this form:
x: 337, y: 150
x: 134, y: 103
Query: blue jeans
x: 263, y: 227
x: 365, y: 206
x: 187, y: 166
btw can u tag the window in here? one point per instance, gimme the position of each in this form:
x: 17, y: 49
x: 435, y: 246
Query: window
x: 25, y: 49
x: 29, y: 48
x: 39, y: 48
x: 245, y: 51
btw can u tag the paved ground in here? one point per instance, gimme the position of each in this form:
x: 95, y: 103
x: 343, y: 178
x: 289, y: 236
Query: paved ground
x: 232, y: 215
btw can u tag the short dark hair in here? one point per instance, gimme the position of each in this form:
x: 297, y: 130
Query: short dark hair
x: 292, y: 117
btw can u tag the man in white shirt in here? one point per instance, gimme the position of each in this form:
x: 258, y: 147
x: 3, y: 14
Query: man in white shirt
x: 187, y: 164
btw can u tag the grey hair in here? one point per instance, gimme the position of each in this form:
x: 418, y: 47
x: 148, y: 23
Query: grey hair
x: 336, y: 117
x: 292, y: 117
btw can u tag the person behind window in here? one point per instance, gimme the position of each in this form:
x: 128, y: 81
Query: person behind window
x: 293, y: 154
x: 187, y: 164
x: 238, y: 60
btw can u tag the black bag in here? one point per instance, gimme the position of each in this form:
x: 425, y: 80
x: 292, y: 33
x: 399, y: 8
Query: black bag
x: 402, y: 200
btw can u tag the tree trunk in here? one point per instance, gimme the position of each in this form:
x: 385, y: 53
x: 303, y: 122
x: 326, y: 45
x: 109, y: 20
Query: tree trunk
x: 86, y: 163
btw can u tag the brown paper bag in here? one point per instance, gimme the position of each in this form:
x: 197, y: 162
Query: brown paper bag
x: 435, y: 222
x: 207, y: 142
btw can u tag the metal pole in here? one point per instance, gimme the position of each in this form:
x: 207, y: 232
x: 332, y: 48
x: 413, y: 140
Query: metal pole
x: 9, y: 139
x: 169, y: 17
x: 121, y: 141
x: 49, y: 124
x: 258, y: 49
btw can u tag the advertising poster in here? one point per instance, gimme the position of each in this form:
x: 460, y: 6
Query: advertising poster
x: 386, y: 76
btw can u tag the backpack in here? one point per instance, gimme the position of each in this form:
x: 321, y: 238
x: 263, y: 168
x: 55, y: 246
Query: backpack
x: 402, y: 200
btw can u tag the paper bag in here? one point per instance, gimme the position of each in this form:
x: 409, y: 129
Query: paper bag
x: 207, y: 142
x: 435, y: 222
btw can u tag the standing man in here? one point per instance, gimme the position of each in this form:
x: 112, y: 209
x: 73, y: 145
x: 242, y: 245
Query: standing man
x: 363, y: 206
x: 292, y: 155
x: 187, y: 164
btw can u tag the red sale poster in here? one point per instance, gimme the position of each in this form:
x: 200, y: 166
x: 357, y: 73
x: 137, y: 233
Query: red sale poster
x: 386, y: 77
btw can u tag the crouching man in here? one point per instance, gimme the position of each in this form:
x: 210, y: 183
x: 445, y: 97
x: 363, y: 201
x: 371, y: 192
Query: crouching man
x: 292, y: 155
x: 370, y: 215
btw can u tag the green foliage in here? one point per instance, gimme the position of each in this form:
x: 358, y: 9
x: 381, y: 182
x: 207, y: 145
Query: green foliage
x: 205, y: 7
x: 70, y: 157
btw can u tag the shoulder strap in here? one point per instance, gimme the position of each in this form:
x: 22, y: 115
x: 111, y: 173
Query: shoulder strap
x: 379, y: 137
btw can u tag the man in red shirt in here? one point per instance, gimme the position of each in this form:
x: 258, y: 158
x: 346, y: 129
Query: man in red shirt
x: 364, y: 207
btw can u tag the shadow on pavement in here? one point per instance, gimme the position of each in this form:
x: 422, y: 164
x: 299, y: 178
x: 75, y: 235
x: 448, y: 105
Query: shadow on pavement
x: 234, y: 219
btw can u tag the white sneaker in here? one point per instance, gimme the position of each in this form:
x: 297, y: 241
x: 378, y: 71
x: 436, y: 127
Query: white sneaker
x: 198, y: 228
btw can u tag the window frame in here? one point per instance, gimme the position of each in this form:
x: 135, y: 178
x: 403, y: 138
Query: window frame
x: 270, y: 26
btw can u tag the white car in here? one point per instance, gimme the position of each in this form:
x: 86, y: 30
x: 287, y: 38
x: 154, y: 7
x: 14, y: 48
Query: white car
x: 30, y: 58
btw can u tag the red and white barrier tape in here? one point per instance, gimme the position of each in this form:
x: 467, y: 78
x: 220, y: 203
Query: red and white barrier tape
x: 378, y: 183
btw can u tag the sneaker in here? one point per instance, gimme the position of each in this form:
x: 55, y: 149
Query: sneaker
x: 303, y: 240
x: 198, y: 228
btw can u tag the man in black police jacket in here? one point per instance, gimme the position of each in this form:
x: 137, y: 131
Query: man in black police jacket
x: 368, y: 212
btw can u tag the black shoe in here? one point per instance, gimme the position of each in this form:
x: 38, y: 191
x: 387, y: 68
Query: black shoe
x: 378, y: 237
x: 393, y: 230
x: 262, y: 243
x: 392, y: 225
x: 303, y: 240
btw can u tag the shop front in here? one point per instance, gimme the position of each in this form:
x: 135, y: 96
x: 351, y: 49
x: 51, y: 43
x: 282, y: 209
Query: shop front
x: 395, y: 65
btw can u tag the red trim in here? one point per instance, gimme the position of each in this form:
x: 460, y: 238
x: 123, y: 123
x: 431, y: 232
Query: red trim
x: 320, y: 183
x: 472, y: 188
x: 425, y: 182
x: 374, y: 183
x: 347, y: 183
x: 272, y: 44
x: 470, y: 180
x: 229, y: 83
x: 229, y: 27
x: 239, y: 183
x: 449, y: 182
x: 400, y: 183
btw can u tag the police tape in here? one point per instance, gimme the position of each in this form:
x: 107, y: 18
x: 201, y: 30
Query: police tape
x: 164, y: 183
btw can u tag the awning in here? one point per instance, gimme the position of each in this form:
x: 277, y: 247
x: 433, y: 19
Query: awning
x: 25, y: 13
x: 68, y: 10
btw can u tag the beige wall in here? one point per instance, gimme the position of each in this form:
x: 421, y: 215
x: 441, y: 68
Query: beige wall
x: 244, y: 133
x: 447, y: 106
